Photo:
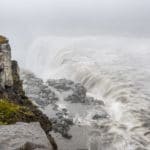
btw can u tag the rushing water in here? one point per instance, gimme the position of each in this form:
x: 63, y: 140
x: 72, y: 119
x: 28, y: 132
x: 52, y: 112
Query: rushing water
x: 115, y: 70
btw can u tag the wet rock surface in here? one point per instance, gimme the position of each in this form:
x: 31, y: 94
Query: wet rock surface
x: 100, y: 116
x: 61, y: 84
x: 56, y: 93
x: 37, y: 90
x: 62, y: 124
x: 78, y: 92
x: 23, y: 136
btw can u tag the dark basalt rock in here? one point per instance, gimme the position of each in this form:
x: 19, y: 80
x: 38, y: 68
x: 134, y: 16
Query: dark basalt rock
x: 46, y: 93
x: 66, y: 85
x: 37, y: 90
x: 100, y: 116
x: 79, y: 94
x: 75, y: 99
x: 61, y: 84
x: 62, y: 124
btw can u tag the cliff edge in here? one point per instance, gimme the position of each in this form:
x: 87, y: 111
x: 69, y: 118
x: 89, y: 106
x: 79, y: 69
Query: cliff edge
x: 14, y: 104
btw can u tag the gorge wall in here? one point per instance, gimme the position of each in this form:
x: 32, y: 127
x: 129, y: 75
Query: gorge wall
x: 15, y: 107
x: 6, y: 79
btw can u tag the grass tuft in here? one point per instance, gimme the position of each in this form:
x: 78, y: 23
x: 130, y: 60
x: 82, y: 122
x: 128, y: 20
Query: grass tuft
x: 11, y: 113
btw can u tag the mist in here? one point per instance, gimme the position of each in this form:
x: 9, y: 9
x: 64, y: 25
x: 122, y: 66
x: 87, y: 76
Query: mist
x: 27, y: 20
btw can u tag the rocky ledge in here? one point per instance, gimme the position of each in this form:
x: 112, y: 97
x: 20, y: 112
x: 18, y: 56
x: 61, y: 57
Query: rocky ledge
x: 23, y: 136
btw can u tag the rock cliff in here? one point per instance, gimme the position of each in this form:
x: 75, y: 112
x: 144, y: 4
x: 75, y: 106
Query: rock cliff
x: 14, y: 105
x: 5, y: 63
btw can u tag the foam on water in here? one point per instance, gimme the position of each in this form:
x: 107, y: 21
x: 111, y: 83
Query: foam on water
x: 115, y: 70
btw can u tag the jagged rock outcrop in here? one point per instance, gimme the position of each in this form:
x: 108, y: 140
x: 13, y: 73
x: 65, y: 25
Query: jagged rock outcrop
x: 52, y: 92
x: 6, y: 79
x: 78, y: 92
x: 37, y: 90
x: 23, y: 136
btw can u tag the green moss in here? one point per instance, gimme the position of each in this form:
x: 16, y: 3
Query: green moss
x: 11, y: 113
x: 3, y: 123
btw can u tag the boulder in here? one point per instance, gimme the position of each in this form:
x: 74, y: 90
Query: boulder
x: 62, y: 123
x: 23, y: 136
x: 78, y: 95
x: 61, y: 84
x: 101, y: 114
x: 36, y: 89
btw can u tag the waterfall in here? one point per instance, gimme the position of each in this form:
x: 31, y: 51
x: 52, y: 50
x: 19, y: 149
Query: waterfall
x: 115, y: 70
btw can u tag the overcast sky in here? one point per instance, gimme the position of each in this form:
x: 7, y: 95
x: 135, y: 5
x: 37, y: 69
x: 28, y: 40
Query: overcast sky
x: 24, y: 20
x: 75, y: 17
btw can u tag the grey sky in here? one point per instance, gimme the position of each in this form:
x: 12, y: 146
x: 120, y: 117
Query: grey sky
x: 24, y: 20
x: 75, y: 17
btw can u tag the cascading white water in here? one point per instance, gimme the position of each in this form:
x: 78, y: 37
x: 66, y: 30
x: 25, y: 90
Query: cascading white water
x: 115, y: 70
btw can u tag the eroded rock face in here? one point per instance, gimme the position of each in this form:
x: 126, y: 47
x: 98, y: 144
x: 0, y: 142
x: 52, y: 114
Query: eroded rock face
x: 6, y: 79
x: 11, y: 89
x: 23, y: 136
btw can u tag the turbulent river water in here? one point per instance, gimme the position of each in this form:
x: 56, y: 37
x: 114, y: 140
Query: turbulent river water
x: 115, y: 70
